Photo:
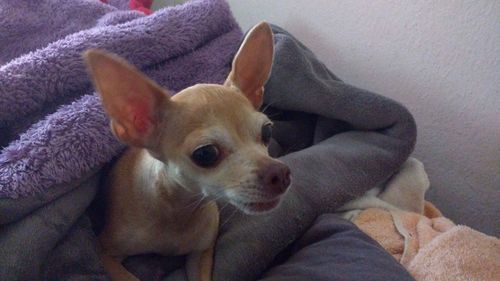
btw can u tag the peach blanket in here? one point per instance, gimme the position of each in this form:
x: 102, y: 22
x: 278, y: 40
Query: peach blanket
x: 414, y: 231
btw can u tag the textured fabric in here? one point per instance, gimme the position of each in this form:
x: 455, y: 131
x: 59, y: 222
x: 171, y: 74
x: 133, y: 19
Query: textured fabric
x: 48, y: 234
x: 433, y: 248
x: 461, y: 254
x: 333, y: 249
x: 76, y: 137
x: 405, y: 190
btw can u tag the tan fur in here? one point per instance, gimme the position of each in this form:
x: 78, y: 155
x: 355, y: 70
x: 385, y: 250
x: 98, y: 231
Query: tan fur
x: 160, y: 199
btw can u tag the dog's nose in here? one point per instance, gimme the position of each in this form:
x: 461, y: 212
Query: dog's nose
x: 275, y: 177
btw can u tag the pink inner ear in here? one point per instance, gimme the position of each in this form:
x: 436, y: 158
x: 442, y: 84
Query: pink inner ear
x: 140, y: 115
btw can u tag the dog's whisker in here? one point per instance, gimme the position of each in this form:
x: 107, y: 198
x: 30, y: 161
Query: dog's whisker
x: 228, y: 218
x: 219, y: 194
x: 223, y: 207
x: 267, y: 106
x: 193, y: 205
x: 196, y: 203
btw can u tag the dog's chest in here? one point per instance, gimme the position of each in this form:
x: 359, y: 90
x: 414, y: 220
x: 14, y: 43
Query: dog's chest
x: 177, y: 232
x: 158, y: 238
x: 145, y: 216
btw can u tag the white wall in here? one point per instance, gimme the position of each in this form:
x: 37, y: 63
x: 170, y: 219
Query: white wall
x: 158, y: 4
x: 439, y: 58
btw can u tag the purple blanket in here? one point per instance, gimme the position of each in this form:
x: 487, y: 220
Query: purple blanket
x: 55, y: 125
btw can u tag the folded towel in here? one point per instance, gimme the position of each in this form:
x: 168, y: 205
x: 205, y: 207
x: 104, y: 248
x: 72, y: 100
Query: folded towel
x: 460, y: 254
x: 414, y: 231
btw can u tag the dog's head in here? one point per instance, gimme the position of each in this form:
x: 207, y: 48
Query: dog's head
x: 211, y: 138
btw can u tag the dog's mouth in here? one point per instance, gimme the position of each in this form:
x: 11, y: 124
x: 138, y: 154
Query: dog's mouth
x: 257, y: 207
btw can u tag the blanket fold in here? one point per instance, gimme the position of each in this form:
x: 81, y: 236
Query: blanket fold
x: 338, y: 140
x: 37, y: 78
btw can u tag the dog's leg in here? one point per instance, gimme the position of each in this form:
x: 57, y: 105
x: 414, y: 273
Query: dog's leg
x: 116, y: 270
x: 199, y: 264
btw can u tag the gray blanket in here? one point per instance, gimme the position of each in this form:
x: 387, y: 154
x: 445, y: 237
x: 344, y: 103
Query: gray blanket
x: 338, y: 140
x: 335, y: 249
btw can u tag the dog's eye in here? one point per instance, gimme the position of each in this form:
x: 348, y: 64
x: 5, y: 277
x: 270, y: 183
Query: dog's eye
x: 205, y: 156
x: 266, y: 133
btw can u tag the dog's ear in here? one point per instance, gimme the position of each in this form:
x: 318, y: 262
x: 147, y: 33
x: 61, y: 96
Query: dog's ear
x: 134, y: 103
x: 252, y: 63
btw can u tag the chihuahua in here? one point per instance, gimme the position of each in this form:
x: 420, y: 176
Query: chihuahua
x: 204, y: 143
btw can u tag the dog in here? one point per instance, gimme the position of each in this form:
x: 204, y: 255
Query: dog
x: 206, y: 142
